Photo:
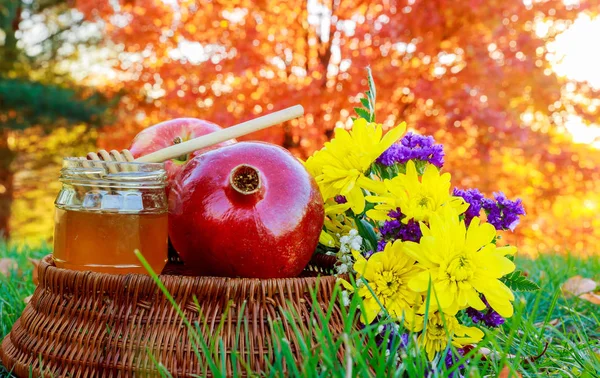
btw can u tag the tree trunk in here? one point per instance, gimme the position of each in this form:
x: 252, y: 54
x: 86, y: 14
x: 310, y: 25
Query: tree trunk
x: 9, y: 51
x: 6, y: 182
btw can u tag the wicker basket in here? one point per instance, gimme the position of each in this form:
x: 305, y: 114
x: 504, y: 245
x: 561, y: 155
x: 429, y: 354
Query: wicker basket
x: 85, y: 324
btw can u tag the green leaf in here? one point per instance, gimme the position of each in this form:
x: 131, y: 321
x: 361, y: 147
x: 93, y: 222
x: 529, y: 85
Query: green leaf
x: 365, y: 229
x: 363, y: 113
x: 518, y: 282
x: 365, y: 102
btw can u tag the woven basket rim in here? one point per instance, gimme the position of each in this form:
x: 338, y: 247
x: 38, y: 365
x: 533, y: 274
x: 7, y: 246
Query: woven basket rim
x: 319, y: 264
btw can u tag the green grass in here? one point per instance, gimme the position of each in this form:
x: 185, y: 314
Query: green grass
x: 573, y: 344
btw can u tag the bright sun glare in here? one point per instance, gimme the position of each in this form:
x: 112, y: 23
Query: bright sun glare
x: 577, y: 58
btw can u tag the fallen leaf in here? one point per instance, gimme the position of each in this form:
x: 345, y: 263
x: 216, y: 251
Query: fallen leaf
x: 552, y: 323
x: 492, y: 354
x: 34, y: 274
x: 591, y: 297
x: 578, y: 285
x: 27, y: 299
x: 506, y: 373
x: 7, y: 266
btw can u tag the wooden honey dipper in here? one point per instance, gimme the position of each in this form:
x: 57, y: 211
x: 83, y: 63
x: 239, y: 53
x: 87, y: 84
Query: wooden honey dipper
x: 204, y: 141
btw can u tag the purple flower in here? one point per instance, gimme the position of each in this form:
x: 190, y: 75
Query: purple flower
x: 451, y: 359
x: 413, y: 147
x: 391, y: 227
x: 473, y: 197
x: 388, y: 157
x: 340, y: 199
x: 393, y: 336
x: 489, y: 316
x: 394, y: 229
x: 412, y: 140
x: 492, y: 319
x: 475, y: 315
x: 404, y: 340
x: 503, y: 213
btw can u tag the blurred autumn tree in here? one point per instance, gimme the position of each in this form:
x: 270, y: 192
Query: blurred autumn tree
x: 38, y: 99
x: 472, y: 73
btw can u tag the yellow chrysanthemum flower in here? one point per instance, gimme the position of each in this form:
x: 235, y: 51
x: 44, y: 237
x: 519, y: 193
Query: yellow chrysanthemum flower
x: 387, y: 274
x: 462, y: 264
x: 417, y: 198
x: 439, y: 330
x: 340, y: 166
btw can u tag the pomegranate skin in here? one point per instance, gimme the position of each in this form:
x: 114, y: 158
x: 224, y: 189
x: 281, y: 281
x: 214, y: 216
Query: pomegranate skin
x: 222, y: 225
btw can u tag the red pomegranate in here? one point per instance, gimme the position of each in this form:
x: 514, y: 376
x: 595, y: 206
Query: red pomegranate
x: 246, y: 210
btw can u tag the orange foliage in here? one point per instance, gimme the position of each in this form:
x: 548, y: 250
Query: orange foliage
x: 463, y: 71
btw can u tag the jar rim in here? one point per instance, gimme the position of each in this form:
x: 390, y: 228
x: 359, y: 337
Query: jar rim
x: 123, y: 173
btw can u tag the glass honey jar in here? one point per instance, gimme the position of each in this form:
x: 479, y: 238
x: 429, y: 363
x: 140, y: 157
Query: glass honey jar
x: 107, y: 210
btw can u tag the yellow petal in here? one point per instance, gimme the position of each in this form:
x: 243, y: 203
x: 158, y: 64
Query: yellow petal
x: 466, y: 335
x: 360, y: 265
x: 372, y: 309
x: 346, y: 285
x: 377, y: 215
x: 479, y: 235
x: 341, y: 135
x: 411, y: 172
x: 380, y: 199
x: 326, y: 239
x: 337, y: 208
x: 458, y: 204
x: 442, y: 294
x: 356, y: 199
x: 430, y: 175
x: 391, y: 137
x: 413, y: 250
x: 420, y: 283
x: 504, y: 266
x: 507, y: 250
x: 371, y: 185
x: 473, y: 300
x: 501, y: 305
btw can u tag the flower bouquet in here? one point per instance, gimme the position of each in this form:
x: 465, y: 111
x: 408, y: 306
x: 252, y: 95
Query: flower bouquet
x: 423, y: 258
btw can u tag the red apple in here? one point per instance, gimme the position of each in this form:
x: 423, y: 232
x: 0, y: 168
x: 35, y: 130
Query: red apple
x: 171, y: 132
x: 246, y: 210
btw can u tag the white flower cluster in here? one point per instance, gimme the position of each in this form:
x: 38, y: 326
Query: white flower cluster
x: 348, y: 243
x: 345, y: 298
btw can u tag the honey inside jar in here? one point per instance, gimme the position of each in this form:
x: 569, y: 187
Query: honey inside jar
x: 107, y: 210
x: 104, y: 242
